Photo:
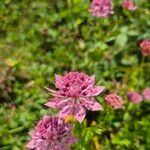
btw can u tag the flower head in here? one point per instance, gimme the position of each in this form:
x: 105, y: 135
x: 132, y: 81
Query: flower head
x: 51, y: 133
x: 146, y: 93
x: 134, y: 97
x: 129, y: 5
x: 145, y: 47
x: 74, y: 93
x: 101, y: 8
x: 114, y: 100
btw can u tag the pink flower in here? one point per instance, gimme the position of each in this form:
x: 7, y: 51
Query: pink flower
x: 146, y: 93
x: 51, y: 133
x: 134, y: 97
x: 129, y: 5
x: 145, y: 47
x: 74, y: 94
x: 114, y: 100
x: 101, y: 8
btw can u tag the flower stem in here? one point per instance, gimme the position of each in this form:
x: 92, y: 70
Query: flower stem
x: 72, y: 16
x: 127, y: 113
x: 17, y: 129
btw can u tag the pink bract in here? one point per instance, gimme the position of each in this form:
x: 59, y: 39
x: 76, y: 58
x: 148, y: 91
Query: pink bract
x: 134, y: 97
x: 129, y: 5
x: 51, y: 133
x: 145, y: 47
x: 146, y: 93
x: 115, y: 101
x: 101, y: 8
x: 74, y: 94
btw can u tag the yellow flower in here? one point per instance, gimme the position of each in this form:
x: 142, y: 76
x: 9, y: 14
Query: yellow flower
x: 69, y: 118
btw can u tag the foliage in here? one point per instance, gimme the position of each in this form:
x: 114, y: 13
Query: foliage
x: 42, y: 38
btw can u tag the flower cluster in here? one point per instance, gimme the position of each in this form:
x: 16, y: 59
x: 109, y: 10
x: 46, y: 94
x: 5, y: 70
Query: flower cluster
x: 74, y: 94
x: 101, y: 8
x: 129, y: 5
x: 104, y: 8
x: 51, y: 133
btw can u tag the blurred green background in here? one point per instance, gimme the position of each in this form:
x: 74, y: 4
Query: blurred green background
x: 41, y: 38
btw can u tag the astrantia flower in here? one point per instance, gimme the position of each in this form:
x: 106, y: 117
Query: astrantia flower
x: 74, y: 94
x: 114, y: 100
x: 129, y: 5
x: 51, y: 133
x: 134, y: 97
x: 146, y: 94
x: 101, y: 8
x: 145, y: 47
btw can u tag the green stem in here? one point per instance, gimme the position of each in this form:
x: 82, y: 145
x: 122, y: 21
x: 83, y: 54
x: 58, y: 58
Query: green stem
x: 127, y: 113
x: 16, y: 129
x: 140, y: 71
x: 72, y: 16
x: 5, y: 148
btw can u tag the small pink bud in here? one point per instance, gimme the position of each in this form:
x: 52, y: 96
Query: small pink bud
x: 145, y: 47
x: 115, y: 101
x: 134, y: 97
x: 146, y: 93
x: 129, y: 5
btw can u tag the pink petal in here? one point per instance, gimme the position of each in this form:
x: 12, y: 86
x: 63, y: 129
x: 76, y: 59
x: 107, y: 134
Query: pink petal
x: 52, y: 104
x: 97, y: 90
x: 30, y: 145
x: 31, y: 133
x: 50, y: 90
x: 71, y: 140
x: 58, y: 103
x: 60, y: 146
x: 90, y: 80
x: 65, y: 111
x: 54, y: 93
x: 58, y: 81
x: 42, y: 145
x: 91, y: 104
x: 93, y: 91
x: 79, y: 113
